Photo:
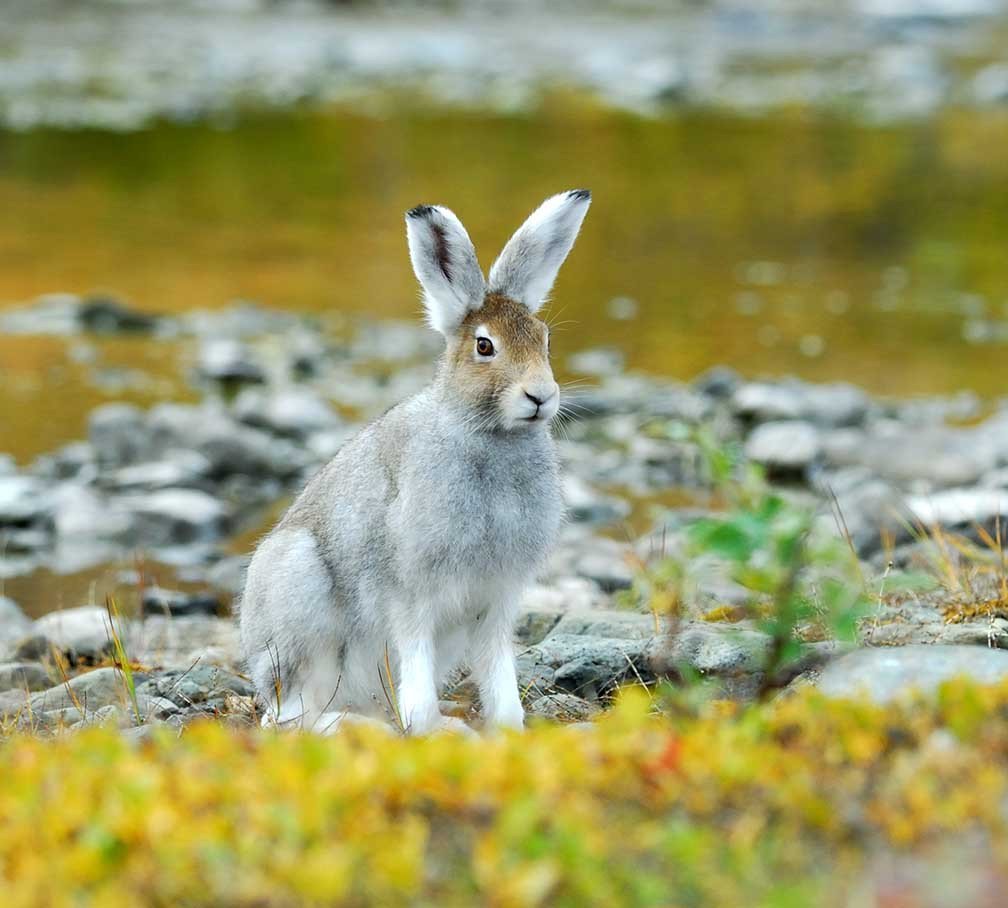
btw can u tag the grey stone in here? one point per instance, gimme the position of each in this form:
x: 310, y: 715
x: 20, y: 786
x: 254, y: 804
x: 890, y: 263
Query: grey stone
x: 586, y: 666
x: 23, y: 500
x: 229, y: 360
x: 624, y: 625
x: 561, y: 707
x: 118, y: 434
x: 293, y: 410
x: 586, y: 504
x: 90, y: 691
x: 179, y: 643
x: 785, y: 448
x: 176, y: 468
x: 176, y: 516
x: 958, y: 507
x: 14, y: 623
x: 159, y: 601
x: 533, y: 625
x: 197, y: 685
x: 84, y: 631
x: 230, y: 446
x: 887, y: 673
x: 106, y: 315
x: 23, y: 676
x: 709, y: 649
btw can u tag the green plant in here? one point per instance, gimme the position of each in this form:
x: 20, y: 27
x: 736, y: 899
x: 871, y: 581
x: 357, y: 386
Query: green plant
x: 804, y: 579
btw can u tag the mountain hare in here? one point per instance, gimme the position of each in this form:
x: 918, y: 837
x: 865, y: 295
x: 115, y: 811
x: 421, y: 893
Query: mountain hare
x: 410, y: 550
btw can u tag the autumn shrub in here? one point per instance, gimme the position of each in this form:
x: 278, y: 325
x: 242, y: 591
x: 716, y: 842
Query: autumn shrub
x: 795, y: 802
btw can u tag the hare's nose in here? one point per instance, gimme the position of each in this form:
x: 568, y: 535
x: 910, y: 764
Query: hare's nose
x: 536, y: 400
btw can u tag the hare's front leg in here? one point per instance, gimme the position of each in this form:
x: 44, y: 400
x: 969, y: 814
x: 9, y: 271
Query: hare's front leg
x: 417, y: 693
x: 493, y: 668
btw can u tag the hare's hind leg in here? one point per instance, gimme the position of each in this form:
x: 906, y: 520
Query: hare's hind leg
x: 291, y: 630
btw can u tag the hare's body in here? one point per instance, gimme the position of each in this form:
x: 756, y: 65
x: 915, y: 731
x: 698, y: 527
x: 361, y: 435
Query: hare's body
x: 408, y: 527
x: 406, y: 556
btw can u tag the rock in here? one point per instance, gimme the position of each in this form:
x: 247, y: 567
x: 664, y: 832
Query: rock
x: 887, y: 673
x: 929, y: 457
x: 176, y: 516
x: 560, y: 707
x: 199, y: 684
x: 80, y: 513
x: 534, y: 624
x: 176, y: 468
x: 13, y: 703
x: 183, y: 642
x: 229, y: 360
x: 719, y: 382
x: 564, y: 593
x: 958, y: 507
x: 23, y: 676
x: 586, y: 504
x: 82, y: 633
x: 229, y: 446
x: 707, y: 649
x: 89, y: 691
x: 104, y: 315
x: 14, y: 623
x: 586, y: 666
x: 623, y: 625
x: 159, y: 601
x: 24, y: 500
x: 119, y: 435
x: 603, y: 561
x: 823, y: 405
x: 786, y: 448
x: 229, y: 573
x: 296, y: 411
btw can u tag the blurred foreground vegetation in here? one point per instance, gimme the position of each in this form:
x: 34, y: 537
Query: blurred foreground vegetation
x: 662, y: 802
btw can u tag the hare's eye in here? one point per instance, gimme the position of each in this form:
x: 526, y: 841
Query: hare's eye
x: 484, y: 346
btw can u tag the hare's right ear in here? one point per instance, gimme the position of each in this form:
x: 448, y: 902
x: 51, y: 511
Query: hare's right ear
x: 445, y: 263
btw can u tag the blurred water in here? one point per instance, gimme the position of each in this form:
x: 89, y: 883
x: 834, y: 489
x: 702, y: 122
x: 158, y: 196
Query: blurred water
x: 793, y: 244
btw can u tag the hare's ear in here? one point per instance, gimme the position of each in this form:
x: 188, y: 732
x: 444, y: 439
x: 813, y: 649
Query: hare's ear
x: 527, y: 267
x: 445, y: 264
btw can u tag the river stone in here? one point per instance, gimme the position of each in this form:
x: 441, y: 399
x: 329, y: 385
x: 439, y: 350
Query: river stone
x: 586, y: 666
x: 623, y: 625
x: 533, y: 625
x: 83, y: 632
x: 176, y: 516
x: 709, y: 649
x: 23, y: 676
x: 889, y: 672
x: 294, y: 410
x: 118, y: 434
x: 785, y: 448
x: 958, y: 507
x: 586, y: 504
x: 159, y: 601
x: 14, y: 623
x: 199, y: 684
x: 23, y: 500
x: 229, y: 360
x: 91, y: 690
x: 561, y: 707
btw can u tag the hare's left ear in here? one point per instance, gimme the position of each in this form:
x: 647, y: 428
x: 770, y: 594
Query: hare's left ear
x: 445, y: 263
x: 528, y: 266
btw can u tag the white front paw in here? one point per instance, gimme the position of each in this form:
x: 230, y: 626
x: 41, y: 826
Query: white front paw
x: 508, y: 715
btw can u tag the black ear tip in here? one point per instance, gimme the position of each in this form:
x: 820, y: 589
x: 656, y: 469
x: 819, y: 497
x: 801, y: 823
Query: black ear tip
x: 582, y: 195
x: 421, y: 211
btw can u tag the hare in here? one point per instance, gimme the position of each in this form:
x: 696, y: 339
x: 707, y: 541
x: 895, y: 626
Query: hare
x: 409, y: 551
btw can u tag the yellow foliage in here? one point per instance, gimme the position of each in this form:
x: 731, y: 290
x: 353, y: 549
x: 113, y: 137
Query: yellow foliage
x: 777, y: 804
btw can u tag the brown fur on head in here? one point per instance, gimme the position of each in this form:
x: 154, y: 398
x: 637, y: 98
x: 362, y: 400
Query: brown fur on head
x: 497, y: 360
x: 513, y: 385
